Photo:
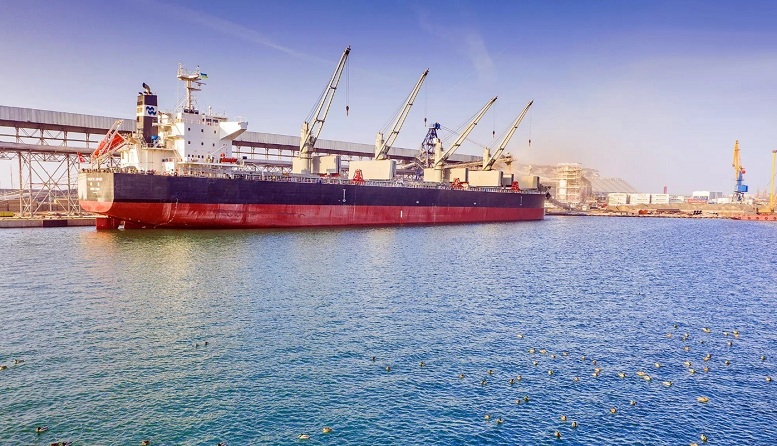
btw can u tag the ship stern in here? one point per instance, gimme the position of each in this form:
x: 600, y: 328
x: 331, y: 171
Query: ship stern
x: 95, y: 191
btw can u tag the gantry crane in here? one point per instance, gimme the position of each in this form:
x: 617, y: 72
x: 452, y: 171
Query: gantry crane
x: 311, y: 129
x: 488, y: 159
x: 739, y: 171
x: 382, y: 147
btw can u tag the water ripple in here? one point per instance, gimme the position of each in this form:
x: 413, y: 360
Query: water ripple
x: 114, y: 336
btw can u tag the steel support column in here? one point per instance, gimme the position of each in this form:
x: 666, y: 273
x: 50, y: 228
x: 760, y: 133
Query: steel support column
x: 47, y: 187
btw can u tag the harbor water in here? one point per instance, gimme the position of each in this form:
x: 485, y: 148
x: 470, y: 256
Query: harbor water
x: 406, y: 335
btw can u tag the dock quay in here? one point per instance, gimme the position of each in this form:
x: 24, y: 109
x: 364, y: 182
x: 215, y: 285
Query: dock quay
x: 45, y: 222
x: 675, y: 210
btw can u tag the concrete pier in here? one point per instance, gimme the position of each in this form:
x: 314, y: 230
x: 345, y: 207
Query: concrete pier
x: 57, y: 222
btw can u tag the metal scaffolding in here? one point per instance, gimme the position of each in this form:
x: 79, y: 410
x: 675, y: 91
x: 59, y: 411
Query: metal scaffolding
x: 48, y: 162
x: 50, y: 187
x: 570, y: 183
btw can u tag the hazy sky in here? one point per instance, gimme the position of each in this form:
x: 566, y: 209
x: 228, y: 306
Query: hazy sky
x: 655, y: 92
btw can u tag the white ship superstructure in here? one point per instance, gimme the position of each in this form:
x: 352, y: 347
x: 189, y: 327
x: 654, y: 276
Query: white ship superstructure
x: 176, y: 142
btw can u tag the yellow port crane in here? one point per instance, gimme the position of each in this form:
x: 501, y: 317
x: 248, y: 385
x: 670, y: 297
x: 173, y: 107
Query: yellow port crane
x: 772, y: 200
x: 740, y: 189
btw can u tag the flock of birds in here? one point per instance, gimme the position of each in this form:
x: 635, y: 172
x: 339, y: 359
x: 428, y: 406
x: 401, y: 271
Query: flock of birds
x: 596, y: 371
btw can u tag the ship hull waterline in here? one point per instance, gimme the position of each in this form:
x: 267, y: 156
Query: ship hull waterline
x: 156, y: 201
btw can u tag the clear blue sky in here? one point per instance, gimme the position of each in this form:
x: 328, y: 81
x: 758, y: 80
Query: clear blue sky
x: 655, y: 92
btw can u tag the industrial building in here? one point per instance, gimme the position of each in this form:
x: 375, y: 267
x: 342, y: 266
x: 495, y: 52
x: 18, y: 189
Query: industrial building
x: 576, y: 186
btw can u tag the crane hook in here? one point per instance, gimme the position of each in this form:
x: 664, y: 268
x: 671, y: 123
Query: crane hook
x: 346, y: 110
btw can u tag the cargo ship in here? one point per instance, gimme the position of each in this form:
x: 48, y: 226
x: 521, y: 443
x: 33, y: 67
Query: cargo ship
x: 177, y: 170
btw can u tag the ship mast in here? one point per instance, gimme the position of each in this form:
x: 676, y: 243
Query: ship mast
x: 194, y: 77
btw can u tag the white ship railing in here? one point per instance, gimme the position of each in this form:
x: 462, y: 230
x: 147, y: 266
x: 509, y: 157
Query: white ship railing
x: 264, y: 176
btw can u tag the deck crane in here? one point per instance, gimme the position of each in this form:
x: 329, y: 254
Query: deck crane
x: 439, y: 157
x: 382, y: 147
x: 488, y: 159
x: 739, y: 171
x: 311, y: 129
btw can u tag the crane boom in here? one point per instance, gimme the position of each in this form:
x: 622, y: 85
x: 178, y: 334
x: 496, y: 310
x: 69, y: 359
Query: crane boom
x: 382, y: 147
x: 488, y: 163
x: 310, y: 132
x: 439, y: 162
x: 736, y: 163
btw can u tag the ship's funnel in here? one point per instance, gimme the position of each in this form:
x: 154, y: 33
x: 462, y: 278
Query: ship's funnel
x: 147, y: 117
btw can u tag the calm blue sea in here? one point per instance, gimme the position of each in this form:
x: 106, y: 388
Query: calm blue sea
x: 112, y: 327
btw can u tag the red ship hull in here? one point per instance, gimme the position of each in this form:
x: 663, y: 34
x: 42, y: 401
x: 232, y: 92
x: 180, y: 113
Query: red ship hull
x: 158, y: 201
x: 210, y: 216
